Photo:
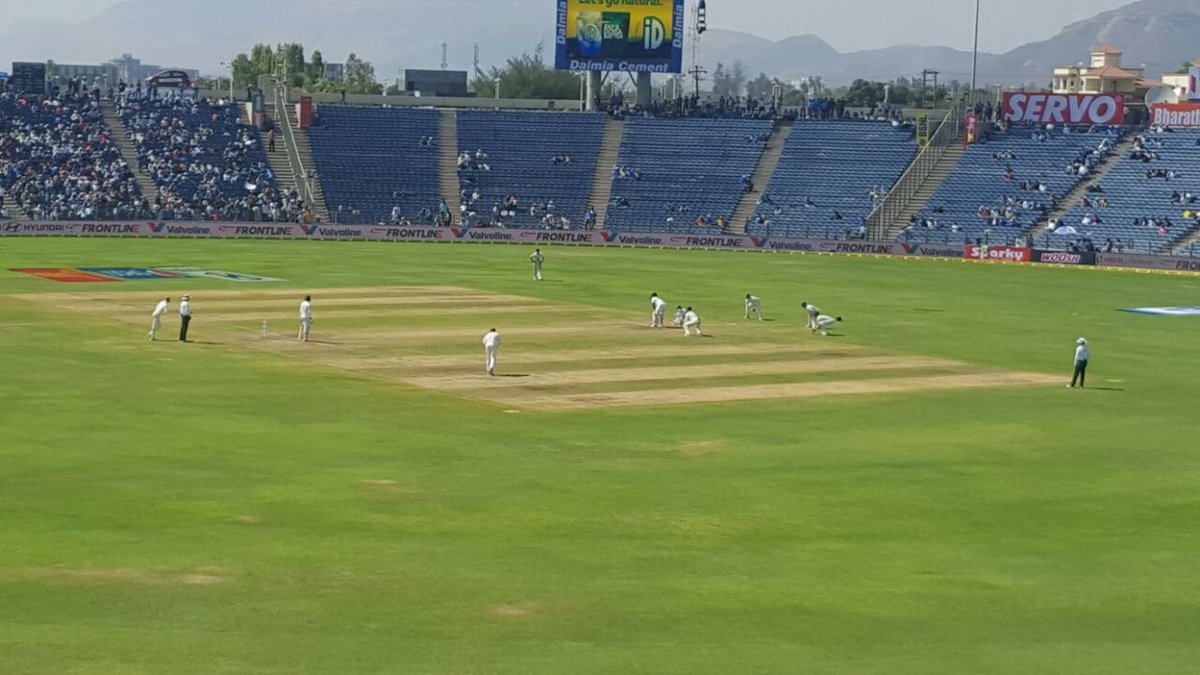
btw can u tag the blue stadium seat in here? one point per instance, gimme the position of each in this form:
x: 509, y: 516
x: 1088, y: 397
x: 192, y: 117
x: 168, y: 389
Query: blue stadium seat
x: 1132, y: 196
x: 521, y: 148
x: 370, y: 160
x: 981, y: 179
x: 686, y: 168
x: 823, y: 185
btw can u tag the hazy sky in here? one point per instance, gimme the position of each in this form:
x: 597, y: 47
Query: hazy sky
x: 846, y: 24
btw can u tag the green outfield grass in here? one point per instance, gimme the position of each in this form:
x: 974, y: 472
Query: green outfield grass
x: 239, y: 506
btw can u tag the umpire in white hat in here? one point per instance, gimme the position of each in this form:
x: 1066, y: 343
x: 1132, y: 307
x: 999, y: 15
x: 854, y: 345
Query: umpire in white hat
x: 1082, y: 354
x: 185, y: 317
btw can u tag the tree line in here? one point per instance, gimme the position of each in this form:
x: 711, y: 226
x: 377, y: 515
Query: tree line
x: 287, y: 61
x: 527, y: 76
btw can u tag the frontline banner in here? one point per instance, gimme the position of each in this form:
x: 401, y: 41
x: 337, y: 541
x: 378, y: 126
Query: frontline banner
x: 1148, y: 262
x: 418, y: 233
x: 1022, y: 108
x: 643, y: 36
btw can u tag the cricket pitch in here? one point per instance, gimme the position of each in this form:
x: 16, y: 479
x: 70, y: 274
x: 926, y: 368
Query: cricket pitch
x: 552, y: 359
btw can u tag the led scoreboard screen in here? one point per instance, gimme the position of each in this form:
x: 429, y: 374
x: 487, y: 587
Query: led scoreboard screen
x: 639, y: 36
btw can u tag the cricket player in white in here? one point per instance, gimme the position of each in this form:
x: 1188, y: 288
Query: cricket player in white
x: 754, y: 304
x: 680, y: 313
x: 537, y: 259
x: 813, y: 313
x: 691, y: 321
x: 824, y: 322
x: 659, y: 307
x: 156, y: 318
x: 305, y: 318
x: 491, y: 347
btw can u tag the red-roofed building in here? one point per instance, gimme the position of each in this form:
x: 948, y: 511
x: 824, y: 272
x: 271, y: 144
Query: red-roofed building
x: 1104, y: 75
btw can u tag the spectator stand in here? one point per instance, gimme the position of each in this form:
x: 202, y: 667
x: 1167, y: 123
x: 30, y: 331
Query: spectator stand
x: 58, y: 161
x: 829, y: 176
x: 206, y: 164
x: 1009, y: 182
x: 378, y: 165
x: 1148, y: 203
x: 527, y: 169
x: 683, y: 175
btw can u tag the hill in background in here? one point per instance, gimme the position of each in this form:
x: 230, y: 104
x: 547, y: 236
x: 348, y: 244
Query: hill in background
x: 1157, y: 33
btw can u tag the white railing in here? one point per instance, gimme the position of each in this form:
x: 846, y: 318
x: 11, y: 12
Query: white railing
x: 304, y: 178
x: 948, y: 132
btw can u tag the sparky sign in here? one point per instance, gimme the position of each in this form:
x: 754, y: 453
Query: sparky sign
x: 1088, y: 109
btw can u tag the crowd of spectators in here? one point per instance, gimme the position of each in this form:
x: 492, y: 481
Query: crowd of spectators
x: 58, y: 162
x: 205, y: 163
x: 723, y: 107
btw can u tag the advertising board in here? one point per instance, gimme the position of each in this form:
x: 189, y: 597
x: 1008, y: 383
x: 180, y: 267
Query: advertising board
x: 620, y: 35
x: 1177, y: 115
x: 419, y: 233
x: 1148, y: 262
x: 999, y: 253
x: 1064, y: 257
x: 1044, y: 108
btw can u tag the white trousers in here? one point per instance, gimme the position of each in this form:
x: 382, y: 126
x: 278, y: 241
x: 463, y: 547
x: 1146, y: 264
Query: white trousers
x: 754, y: 308
x: 689, y: 325
x: 656, y: 319
x: 305, y: 329
x: 491, y: 360
x: 154, y: 326
x: 537, y: 271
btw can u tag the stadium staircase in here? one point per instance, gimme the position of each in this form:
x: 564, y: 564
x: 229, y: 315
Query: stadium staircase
x: 920, y: 199
x: 1072, y: 198
x: 610, y: 153
x: 448, y: 184
x: 285, y: 175
x: 124, y: 145
x: 767, y: 163
x: 304, y: 150
x: 1186, y: 246
x: 282, y: 163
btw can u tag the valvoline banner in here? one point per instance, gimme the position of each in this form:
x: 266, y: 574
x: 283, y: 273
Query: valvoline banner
x: 641, y: 36
x: 420, y: 233
x: 1043, y: 108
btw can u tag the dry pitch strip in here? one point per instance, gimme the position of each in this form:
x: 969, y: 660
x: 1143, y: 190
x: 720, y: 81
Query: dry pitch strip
x: 555, y: 356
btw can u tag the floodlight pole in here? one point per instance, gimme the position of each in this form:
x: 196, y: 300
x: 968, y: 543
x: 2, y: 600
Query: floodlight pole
x: 975, y: 53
